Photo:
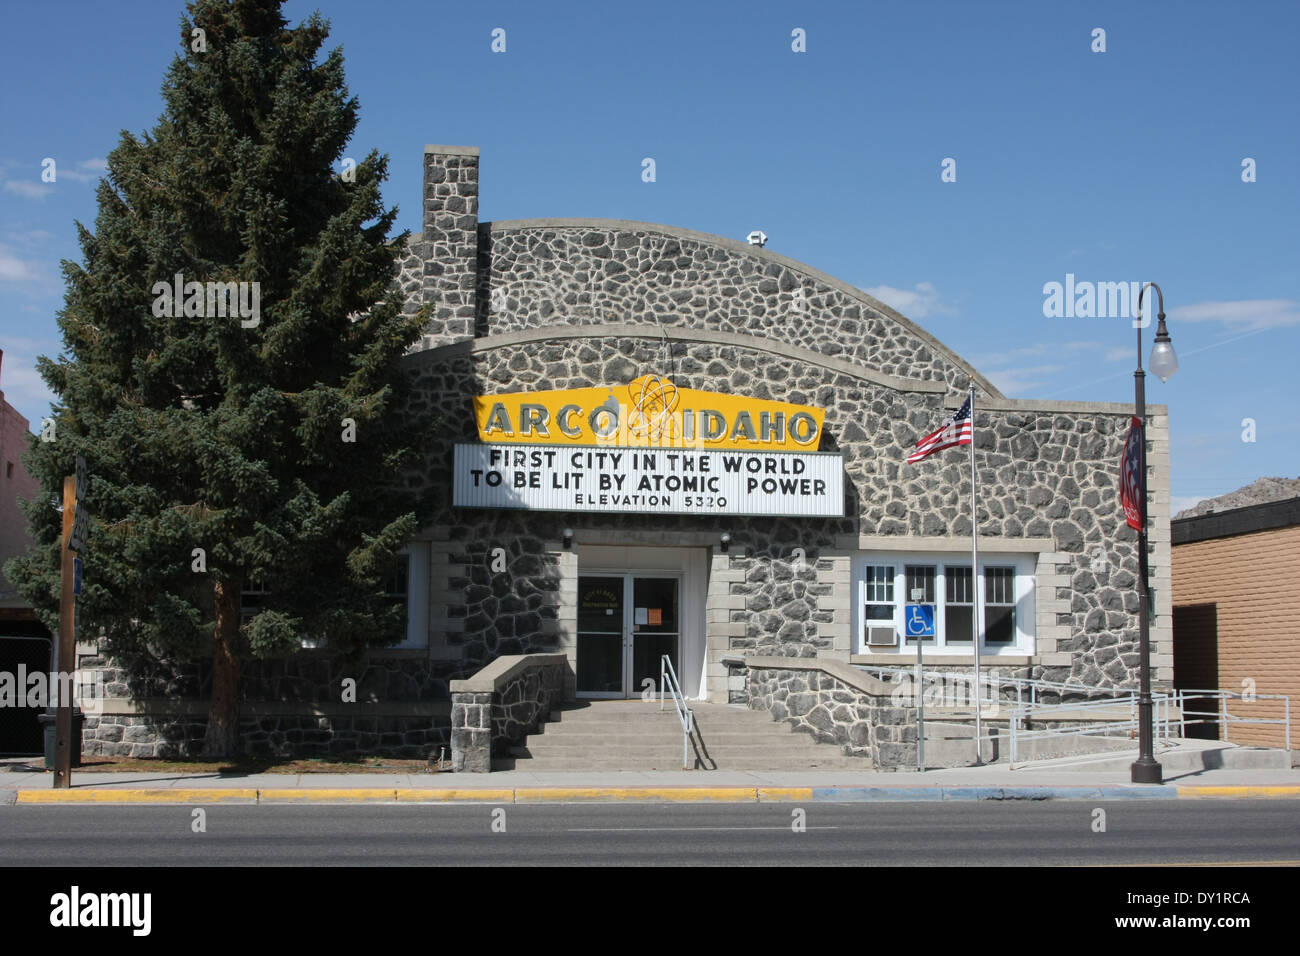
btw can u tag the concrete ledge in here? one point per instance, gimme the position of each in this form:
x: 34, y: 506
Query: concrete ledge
x: 899, y: 542
x: 940, y: 660
x: 637, y: 330
x: 989, y: 403
x: 452, y: 150
x: 499, y: 672
x: 837, y: 669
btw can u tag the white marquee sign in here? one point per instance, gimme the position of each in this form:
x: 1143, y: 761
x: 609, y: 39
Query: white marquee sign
x: 648, y: 480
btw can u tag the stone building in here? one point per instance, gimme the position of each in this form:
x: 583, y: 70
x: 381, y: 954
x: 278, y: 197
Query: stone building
x: 760, y: 506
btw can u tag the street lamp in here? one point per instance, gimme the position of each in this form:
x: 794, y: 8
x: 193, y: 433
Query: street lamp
x: 1163, y: 363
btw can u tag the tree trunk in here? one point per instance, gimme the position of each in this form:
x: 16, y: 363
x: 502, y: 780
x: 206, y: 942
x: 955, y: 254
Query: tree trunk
x: 222, y: 738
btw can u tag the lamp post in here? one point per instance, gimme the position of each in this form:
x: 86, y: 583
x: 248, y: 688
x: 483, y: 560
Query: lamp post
x: 1163, y: 363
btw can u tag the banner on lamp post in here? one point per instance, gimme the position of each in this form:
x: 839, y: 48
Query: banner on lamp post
x: 1130, y: 476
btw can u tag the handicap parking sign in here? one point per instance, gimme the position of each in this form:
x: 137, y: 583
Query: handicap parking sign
x: 920, y: 620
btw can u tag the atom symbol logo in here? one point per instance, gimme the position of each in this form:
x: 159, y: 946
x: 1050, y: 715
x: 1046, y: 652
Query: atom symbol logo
x: 654, y: 399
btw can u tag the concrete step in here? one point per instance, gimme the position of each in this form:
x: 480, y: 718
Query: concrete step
x: 833, y: 762
x: 774, y: 751
x: 729, y: 732
x: 637, y: 735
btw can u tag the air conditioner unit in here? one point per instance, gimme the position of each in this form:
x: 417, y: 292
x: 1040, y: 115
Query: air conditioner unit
x: 882, y: 636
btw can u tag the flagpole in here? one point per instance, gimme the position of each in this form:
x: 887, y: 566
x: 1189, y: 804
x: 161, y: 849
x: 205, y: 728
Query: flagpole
x: 978, y: 622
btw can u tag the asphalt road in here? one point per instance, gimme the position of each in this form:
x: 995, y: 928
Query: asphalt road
x: 883, y: 834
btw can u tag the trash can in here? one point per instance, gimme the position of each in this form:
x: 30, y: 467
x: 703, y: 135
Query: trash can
x: 48, y: 721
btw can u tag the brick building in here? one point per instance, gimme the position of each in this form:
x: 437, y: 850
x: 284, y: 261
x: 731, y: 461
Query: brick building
x: 1236, y: 622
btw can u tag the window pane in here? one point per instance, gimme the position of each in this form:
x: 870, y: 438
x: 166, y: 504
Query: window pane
x: 957, y: 623
x: 920, y: 576
x: 396, y: 587
x: 600, y: 608
x: 957, y: 585
x: 880, y: 584
x: 1000, y: 624
x: 1000, y: 585
x: 880, y: 612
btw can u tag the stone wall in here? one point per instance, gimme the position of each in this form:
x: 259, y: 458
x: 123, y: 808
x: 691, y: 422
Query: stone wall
x: 288, y: 707
x: 281, y: 735
x: 837, y: 705
x: 571, y: 303
x: 501, y: 705
x: 447, y: 250
x: 1044, y: 475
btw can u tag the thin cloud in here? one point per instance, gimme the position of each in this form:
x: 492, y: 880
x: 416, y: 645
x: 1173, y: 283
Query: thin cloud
x: 33, y: 235
x: 86, y: 171
x: 1042, y: 350
x: 23, y: 386
x: 916, y: 303
x: 27, y: 189
x: 1242, y: 314
x: 1014, y: 381
x: 13, y: 269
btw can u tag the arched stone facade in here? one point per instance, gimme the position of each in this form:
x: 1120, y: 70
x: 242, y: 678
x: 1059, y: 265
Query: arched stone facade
x: 560, y: 304
x: 532, y: 305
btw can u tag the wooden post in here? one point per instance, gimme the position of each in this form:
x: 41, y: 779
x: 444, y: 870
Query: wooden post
x: 66, y: 658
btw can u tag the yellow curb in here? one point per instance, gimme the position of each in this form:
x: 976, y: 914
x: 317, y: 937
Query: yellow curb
x: 1275, y: 791
x: 450, y: 796
x: 785, y: 793
x: 677, y: 794
x: 327, y: 795
x: 105, y: 795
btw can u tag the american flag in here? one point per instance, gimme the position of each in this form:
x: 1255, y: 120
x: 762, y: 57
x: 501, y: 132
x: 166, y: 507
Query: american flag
x: 955, y: 431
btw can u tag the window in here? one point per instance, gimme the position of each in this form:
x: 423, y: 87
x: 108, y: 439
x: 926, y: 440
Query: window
x: 408, y: 586
x: 920, y: 584
x: 399, y: 581
x: 251, y: 598
x: 880, y: 592
x: 878, y: 606
x: 999, y: 605
x: 885, y: 589
x: 959, y: 605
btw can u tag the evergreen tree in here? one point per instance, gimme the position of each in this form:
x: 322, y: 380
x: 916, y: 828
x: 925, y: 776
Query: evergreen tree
x: 273, y: 439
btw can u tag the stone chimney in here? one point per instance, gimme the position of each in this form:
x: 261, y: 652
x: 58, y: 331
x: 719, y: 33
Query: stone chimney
x: 450, y: 241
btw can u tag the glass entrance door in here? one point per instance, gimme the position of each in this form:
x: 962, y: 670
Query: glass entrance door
x: 626, y: 622
x: 600, y: 636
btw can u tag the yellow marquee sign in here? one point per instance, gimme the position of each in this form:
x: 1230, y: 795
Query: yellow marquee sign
x: 649, y: 412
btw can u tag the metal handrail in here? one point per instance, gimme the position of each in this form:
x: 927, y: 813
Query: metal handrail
x: 1225, y: 719
x: 668, y: 681
x: 1020, y: 683
x: 1166, y: 724
x: 1163, y: 722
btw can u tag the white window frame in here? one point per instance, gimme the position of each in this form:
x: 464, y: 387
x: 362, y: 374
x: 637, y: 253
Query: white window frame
x: 1025, y: 591
x: 417, y: 595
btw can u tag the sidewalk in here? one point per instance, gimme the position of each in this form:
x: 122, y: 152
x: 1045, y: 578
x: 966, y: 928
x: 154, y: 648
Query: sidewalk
x: 835, y: 786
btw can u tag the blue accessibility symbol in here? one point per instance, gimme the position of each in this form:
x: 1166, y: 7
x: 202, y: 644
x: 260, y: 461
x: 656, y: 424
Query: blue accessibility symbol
x: 920, y: 620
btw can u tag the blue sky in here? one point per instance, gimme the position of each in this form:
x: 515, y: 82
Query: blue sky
x: 1114, y: 167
